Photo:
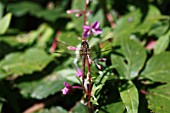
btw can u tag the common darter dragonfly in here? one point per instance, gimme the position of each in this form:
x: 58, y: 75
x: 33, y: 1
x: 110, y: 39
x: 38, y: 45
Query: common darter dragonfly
x: 83, y: 51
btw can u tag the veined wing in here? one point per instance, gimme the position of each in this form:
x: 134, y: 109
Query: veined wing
x: 95, y: 51
x: 63, y: 50
x: 102, y: 48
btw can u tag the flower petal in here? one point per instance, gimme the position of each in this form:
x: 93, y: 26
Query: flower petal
x: 95, y: 25
x: 86, y: 28
x: 65, y: 91
x: 97, y: 31
x: 87, y: 33
x: 79, y: 73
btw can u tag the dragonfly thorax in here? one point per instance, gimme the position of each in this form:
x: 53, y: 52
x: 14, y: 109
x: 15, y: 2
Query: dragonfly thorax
x: 84, y: 48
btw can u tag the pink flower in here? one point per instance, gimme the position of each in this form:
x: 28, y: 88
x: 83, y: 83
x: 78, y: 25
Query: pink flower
x: 79, y: 73
x: 66, y: 89
x: 93, y: 29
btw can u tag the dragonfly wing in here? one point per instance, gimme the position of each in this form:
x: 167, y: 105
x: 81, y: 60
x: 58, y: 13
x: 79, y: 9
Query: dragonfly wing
x: 101, y: 49
x: 63, y: 50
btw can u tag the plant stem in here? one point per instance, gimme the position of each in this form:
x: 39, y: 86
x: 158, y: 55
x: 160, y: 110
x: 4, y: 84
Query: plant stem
x: 89, y: 87
x: 85, y: 11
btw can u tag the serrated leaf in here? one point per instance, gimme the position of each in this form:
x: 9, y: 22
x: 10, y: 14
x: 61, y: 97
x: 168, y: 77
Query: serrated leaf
x: 48, y: 85
x: 116, y: 107
x: 24, y: 63
x: 159, y: 99
x: 4, y: 23
x: 157, y: 68
x: 23, y: 7
x: 130, y: 97
x: 162, y: 43
x: 130, y: 58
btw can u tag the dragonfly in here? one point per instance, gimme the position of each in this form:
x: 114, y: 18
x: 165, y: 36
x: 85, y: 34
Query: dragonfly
x: 86, y: 53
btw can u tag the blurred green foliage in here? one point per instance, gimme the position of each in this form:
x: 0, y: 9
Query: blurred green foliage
x: 135, y: 78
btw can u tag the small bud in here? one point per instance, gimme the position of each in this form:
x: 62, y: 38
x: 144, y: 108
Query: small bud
x: 78, y: 15
x: 72, y: 48
x: 102, y: 59
x: 72, y: 11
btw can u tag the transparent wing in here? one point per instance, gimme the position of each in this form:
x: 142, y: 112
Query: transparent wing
x: 62, y: 50
x: 101, y: 49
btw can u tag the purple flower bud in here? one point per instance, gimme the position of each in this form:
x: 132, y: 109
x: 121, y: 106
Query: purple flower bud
x: 79, y: 73
x: 89, y: 13
x: 93, y: 29
x: 66, y: 89
x: 78, y: 14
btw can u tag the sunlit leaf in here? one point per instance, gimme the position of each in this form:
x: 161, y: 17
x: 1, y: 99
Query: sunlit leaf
x: 162, y: 43
x: 159, y: 99
x: 130, y: 57
x: 48, y: 85
x: 157, y: 68
x: 4, y: 23
x: 159, y: 28
x: 24, y: 63
x: 1, y: 9
x: 129, y: 96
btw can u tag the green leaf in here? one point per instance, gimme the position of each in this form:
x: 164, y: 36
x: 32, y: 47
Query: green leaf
x: 1, y: 104
x: 99, y: 16
x: 127, y: 24
x: 80, y: 107
x: 157, y: 68
x: 159, y: 99
x: 159, y: 28
x: 153, y: 16
x: 130, y: 57
x: 23, y: 7
x: 78, y: 22
x: 24, y: 63
x: 129, y: 96
x: 52, y: 83
x: 53, y: 110
x: 1, y: 10
x: 116, y: 107
x: 69, y: 38
x: 45, y: 36
x: 162, y: 43
x: 135, y: 23
x: 4, y: 23
x: 50, y: 15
